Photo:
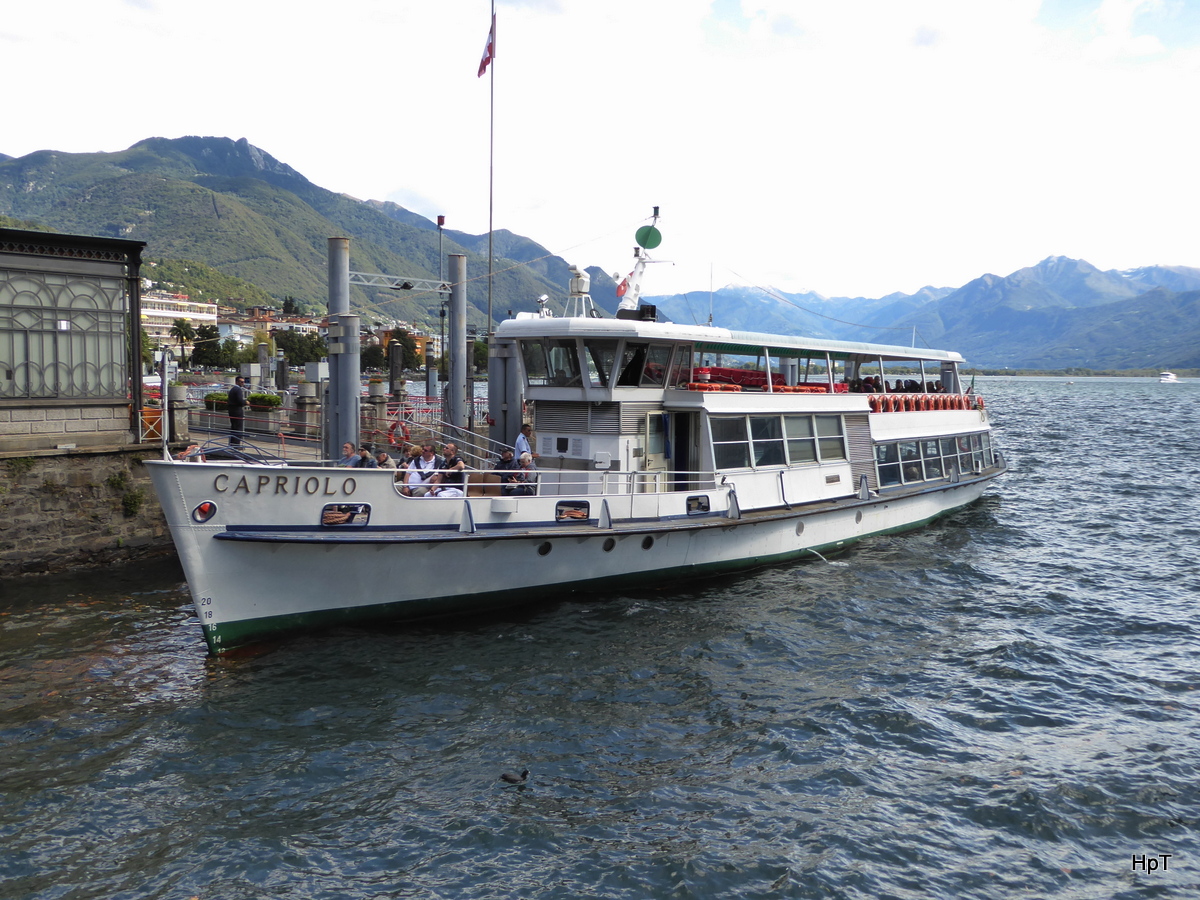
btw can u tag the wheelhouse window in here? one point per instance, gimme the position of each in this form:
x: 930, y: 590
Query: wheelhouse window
x: 533, y: 355
x: 633, y: 360
x: 599, y: 356
x: 658, y: 359
x: 563, y: 360
x: 681, y: 369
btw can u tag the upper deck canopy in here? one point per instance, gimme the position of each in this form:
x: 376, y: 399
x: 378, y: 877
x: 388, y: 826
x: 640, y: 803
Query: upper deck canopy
x: 716, y: 339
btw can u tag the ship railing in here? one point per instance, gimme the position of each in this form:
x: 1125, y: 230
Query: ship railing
x: 566, y: 482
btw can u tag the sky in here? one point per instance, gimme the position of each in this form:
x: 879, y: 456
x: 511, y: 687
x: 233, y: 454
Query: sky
x: 847, y: 147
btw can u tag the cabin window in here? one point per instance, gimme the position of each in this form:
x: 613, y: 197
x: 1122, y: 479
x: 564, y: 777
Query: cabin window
x: 563, y: 360
x: 657, y: 360
x: 932, y: 459
x: 768, y: 441
x: 599, y: 356
x: 801, y: 442
x: 829, y: 438
x: 533, y: 354
x: 909, y: 462
x: 795, y: 440
x: 887, y: 464
x: 698, y: 505
x: 731, y: 446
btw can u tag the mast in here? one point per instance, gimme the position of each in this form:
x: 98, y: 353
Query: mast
x: 491, y: 166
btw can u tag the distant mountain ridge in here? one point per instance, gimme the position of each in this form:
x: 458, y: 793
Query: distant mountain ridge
x: 232, y: 206
x: 1060, y: 313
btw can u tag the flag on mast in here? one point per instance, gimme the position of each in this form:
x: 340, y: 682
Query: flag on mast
x: 489, y: 49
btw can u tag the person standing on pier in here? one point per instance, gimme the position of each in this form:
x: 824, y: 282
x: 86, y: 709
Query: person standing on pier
x: 237, y: 403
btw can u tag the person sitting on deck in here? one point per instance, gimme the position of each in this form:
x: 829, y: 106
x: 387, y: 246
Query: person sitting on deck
x: 438, y: 488
x: 452, y: 466
x: 420, y: 471
x: 520, y: 481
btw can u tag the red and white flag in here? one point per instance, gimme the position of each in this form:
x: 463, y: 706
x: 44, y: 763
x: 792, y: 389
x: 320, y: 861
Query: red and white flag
x: 489, y: 49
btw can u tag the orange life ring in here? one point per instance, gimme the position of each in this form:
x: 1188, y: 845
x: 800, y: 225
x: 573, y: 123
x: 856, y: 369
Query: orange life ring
x: 963, y: 402
x: 926, y: 402
x: 979, y: 402
x: 873, y: 399
x: 392, y: 433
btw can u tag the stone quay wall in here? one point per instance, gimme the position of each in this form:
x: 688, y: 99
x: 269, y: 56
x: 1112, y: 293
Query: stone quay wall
x: 78, y: 510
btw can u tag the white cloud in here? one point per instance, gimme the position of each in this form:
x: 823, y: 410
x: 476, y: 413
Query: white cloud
x: 857, y: 147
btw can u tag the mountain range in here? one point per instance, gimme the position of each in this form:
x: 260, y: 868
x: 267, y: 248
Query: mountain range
x: 225, y: 217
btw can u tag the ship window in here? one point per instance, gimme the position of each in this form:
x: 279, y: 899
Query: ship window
x: 910, y: 461
x: 929, y: 460
x: 599, y: 356
x: 932, y: 459
x: 340, y: 515
x: 887, y: 462
x: 681, y: 371
x: 632, y: 362
x: 731, y: 447
x: 698, y: 505
x: 802, y: 448
x: 657, y: 361
x: 768, y: 441
x: 533, y: 354
x: 829, y: 437
x: 563, y: 360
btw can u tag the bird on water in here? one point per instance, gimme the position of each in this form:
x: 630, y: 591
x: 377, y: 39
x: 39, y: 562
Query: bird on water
x: 510, y: 778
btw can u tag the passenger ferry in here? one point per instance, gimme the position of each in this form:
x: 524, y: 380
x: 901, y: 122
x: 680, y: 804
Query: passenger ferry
x: 665, y: 452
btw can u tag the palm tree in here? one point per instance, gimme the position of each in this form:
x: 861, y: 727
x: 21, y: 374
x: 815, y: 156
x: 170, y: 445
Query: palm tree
x: 183, y: 332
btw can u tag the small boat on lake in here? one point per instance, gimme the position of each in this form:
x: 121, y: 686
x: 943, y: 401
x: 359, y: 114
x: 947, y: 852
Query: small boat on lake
x: 665, y: 452
x: 1168, y: 378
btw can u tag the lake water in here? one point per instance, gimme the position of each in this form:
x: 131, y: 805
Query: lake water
x: 1003, y: 705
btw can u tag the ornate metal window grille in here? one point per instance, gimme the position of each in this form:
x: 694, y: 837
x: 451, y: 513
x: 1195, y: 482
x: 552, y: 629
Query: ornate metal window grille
x: 63, y: 336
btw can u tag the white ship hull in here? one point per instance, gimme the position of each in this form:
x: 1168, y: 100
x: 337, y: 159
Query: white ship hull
x: 265, y: 566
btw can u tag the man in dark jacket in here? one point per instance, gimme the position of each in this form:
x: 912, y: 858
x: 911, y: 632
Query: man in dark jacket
x: 237, y: 410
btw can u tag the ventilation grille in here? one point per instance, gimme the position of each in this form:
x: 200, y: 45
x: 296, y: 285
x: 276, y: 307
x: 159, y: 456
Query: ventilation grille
x: 565, y: 417
x: 861, y: 449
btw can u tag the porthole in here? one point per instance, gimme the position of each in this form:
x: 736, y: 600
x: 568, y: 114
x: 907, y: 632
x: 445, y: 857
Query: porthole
x: 858, y: 517
x: 647, y: 542
x: 544, y: 547
x: 799, y: 528
x: 609, y: 543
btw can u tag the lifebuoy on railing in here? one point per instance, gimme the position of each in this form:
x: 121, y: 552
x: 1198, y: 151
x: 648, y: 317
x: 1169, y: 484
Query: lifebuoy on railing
x: 392, y: 433
x: 979, y: 402
x: 873, y: 399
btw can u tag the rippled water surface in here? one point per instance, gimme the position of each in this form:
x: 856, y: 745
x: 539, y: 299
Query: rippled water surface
x: 1002, y: 705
